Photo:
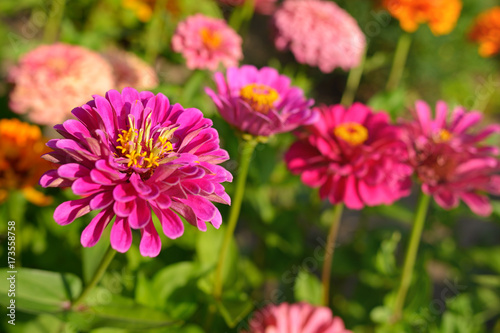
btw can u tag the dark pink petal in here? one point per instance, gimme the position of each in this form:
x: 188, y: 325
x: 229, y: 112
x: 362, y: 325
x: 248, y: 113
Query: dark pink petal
x: 424, y: 116
x: 51, y: 179
x: 92, y: 233
x: 121, y: 235
x: 163, y: 201
x: 107, y: 115
x: 468, y: 120
x: 171, y: 223
x: 150, y: 241
x: 124, y: 192
x: 479, y: 204
x: 72, y: 171
x: 446, y: 199
x: 123, y: 209
x: 101, y: 200
x: 100, y: 177
x: 140, y: 214
x: 68, y: 211
x: 85, y: 186
x: 352, y: 198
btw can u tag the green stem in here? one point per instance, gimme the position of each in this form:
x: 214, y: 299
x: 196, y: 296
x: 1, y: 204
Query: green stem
x: 242, y: 14
x: 51, y: 32
x: 353, y: 81
x: 411, y: 255
x: 330, y: 248
x: 103, y: 265
x: 244, y: 162
x: 399, y: 63
x: 154, y: 33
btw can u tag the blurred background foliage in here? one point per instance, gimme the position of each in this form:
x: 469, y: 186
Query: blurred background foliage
x: 281, y: 233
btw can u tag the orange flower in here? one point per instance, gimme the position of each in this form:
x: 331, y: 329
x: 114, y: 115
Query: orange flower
x: 144, y: 9
x: 440, y: 15
x: 486, y: 32
x: 21, y: 146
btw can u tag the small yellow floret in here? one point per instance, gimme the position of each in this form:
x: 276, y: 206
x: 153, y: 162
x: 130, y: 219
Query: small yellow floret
x: 260, y: 97
x: 352, y: 133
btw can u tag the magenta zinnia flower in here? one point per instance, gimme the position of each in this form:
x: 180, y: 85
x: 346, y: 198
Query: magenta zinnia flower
x: 260, y: 102
x: 51, y: 79
x: 319, y: 33
x: 206, y: 42
x: 452, y: 162
x: 132, y: 152
x: 354, y: 156
x: 299, y: 317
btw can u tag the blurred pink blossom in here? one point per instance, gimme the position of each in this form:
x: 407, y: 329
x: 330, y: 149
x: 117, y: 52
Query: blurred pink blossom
x: 299, y: 317
x: 319, y: 33
x: 206, y: 42
x: 51, y: 80
x: 130, y: 71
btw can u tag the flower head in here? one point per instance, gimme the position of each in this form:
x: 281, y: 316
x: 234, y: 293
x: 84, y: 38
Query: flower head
x: 486, y: 32
x: 451, y: 162
x: 260, y: 102
x: 265, y: 7
x: 299, y: 317
x: 440, y: 15
x: 206, y: 42
x: 354, y: 156
x: 144, y: 9
x: 319, y: 33
x: 130, y: 153
x: 131, y: 71
x: 21, y: 146
x: 52, y: 79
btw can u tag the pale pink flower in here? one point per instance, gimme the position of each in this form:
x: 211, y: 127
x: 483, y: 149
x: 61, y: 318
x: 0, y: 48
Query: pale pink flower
x: 296, y: 318
x: 131, y: 71
x: 207, y: 42
x: 319, y: 33
x: 51, y: 79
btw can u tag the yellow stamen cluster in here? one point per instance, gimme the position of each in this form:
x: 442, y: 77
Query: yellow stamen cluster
x: 260, y: 97
x: 444, y: 136
x: 211, y: 39
x: 142, y: 148
x: 352, y: 133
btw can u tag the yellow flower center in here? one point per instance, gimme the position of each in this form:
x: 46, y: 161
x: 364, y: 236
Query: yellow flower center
x: 142, y: 148
x: 260, y: 97
x: 352, y: 133
x: 211, y: 39
x: 444, y: 136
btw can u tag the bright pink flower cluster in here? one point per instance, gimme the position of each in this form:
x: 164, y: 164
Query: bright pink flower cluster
x: 354, y: 156
x: 452, y: 162
x: 51, y: 79
x: 260, y: 102
x: 319, y: 33
x: 299, y: 317
x: 206, y: 42
x: 130, y: 153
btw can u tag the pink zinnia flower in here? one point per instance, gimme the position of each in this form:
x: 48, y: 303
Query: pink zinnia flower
x: 206, y: 42
x: 51, y: 79
x: 132, y: 152
x: 130, y: 71
x: 299, y: 317
x: 354, y: 156
x: 265, y: 7
x: 260, y: 102
x: 452, y: 162
x: 319, y: 33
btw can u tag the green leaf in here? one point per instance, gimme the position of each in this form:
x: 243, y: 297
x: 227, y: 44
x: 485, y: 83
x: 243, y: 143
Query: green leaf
x: 385, y: 261
x: 40, y: 291
x: 121, y: 312
x: 390, y: 101
x: 308, y: 288
x: 234, y: 307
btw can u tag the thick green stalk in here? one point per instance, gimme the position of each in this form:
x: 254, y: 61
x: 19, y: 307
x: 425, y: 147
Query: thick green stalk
x: 103, y: 265
x: 411, y: 255
x: 155, y: 32
x: 53, y: 25
x: 353, y: 81
x: 398, y: 65
x: 330, y: 248
x: 245, y: 157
